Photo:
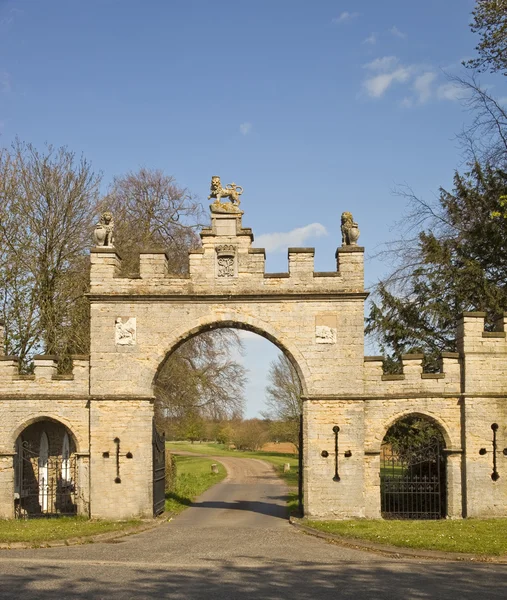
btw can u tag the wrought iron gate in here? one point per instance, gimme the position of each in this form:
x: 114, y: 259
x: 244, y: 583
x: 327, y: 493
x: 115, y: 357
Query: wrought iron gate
x: 158, y: 472
x: 412, y: 482
x: 45, y: 486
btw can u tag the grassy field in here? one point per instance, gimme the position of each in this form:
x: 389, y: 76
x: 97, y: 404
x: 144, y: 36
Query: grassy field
x: 275, y: 458
x: 193, y: 477
x: 38, y: 531
x: 487, y: 537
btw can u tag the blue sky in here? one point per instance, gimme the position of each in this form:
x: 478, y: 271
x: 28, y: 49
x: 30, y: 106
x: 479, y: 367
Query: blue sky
x: 313, y: 107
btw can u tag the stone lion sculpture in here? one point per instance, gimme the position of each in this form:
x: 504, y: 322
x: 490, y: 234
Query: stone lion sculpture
x: 103, y: 233
x: 231, y: 191
x: 350, y: 230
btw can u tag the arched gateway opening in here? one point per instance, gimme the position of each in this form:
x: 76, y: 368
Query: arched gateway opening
x: 211, y: 388
x: 413, y: 470
x: 45, y: 471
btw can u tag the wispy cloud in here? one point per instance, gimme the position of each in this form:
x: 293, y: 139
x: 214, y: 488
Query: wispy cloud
x: 371, y: 39
x: 276, y: 242
x: 422, y: 86
x: 397, y: 33
x: 387, y: 71
x: 5, y: 82
x: 245, y: 128
x: 8, y: 19
x: 419, y: 82
x: 346, y: 16
x: 450, y: 91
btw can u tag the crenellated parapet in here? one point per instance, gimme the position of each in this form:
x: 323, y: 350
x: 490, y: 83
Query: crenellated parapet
x: 45, y: 379
x: 413, y: 380
x: 227, y: 263
x: 484, y: 353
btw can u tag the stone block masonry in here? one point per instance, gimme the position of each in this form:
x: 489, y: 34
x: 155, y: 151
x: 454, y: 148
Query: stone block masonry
x: 316, y: 319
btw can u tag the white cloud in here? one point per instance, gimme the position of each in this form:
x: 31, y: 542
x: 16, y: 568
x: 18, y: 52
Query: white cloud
x: 390, y: 71
x: 276, y: 242
x: 423, y: 86
x: 346, y: 16
x: 245, y: 128
x: 371, y: 39
x: 397, y: 33
x: 450, y: 91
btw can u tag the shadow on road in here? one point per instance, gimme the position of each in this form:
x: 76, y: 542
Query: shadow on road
x: 263, y: 508
x: 267, y: 581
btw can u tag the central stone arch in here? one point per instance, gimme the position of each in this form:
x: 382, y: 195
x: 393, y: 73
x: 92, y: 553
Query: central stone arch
x: 238, y: 321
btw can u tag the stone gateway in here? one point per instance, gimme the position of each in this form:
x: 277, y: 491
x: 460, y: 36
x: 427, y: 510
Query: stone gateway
x: 84, y: 443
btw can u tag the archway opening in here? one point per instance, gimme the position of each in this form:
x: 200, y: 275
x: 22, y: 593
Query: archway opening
x: 45, y: 471
x: 413, y: 470
x: 227, y: 386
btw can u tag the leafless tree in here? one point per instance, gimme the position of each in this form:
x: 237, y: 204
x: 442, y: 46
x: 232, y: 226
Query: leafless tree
x: 202, y: 378
x: 152, y: 212
x: 46, y: 207
x: 283, y: 399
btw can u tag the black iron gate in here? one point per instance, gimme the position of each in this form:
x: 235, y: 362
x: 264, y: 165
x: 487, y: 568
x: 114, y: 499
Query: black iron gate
x: 412, y: 482
x: 45, y: 486
x: 158, y: 472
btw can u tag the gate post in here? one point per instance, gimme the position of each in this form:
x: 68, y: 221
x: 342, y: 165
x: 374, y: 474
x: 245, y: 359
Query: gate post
x: 454, y: 478
x: 7, y: 485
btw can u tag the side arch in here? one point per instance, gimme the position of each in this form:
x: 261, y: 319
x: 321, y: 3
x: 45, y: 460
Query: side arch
x: 237, y: 321
x: 443, y: 428
x: 79, y: 443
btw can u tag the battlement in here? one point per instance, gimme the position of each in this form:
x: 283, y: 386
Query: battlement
x: 227, y: 263
x: 44, y: 380
x: 484, y: 353
x: 471, y: 335
x: 413, y: 380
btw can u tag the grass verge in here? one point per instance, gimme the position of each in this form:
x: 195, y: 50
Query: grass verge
x: 471, y: 536
x: 38, y: 531
x: 193, y: 477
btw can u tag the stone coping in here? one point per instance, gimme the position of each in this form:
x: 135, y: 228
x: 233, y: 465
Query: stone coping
x: 104, y: 250
x: 394, y: 551
x: 348, y: 249
x: 301, y: 251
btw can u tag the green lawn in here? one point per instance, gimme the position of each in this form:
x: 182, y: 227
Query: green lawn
x: 487, y: 537
x: 193, y: 477
x: 275, y: 458
x: 38, y: 531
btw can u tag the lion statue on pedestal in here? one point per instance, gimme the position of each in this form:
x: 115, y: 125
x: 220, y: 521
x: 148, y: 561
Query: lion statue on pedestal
x: 350, y: 230
x: 231, y: 191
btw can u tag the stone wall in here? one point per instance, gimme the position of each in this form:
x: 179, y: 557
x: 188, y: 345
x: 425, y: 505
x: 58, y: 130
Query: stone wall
x: 317, y: 320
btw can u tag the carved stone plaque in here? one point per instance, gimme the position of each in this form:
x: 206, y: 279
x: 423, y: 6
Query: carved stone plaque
x: 325, y: 334
x: 225, y: 266
x: 226, y: 261
x: 125, y: 332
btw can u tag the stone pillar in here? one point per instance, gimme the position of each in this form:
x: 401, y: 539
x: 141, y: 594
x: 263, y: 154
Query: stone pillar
x: 121, y: 457
x: 83, y: 483
x: 454, y: 479
x: 372, y: 484
x: 105, y: 263
x: 6, y: 485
